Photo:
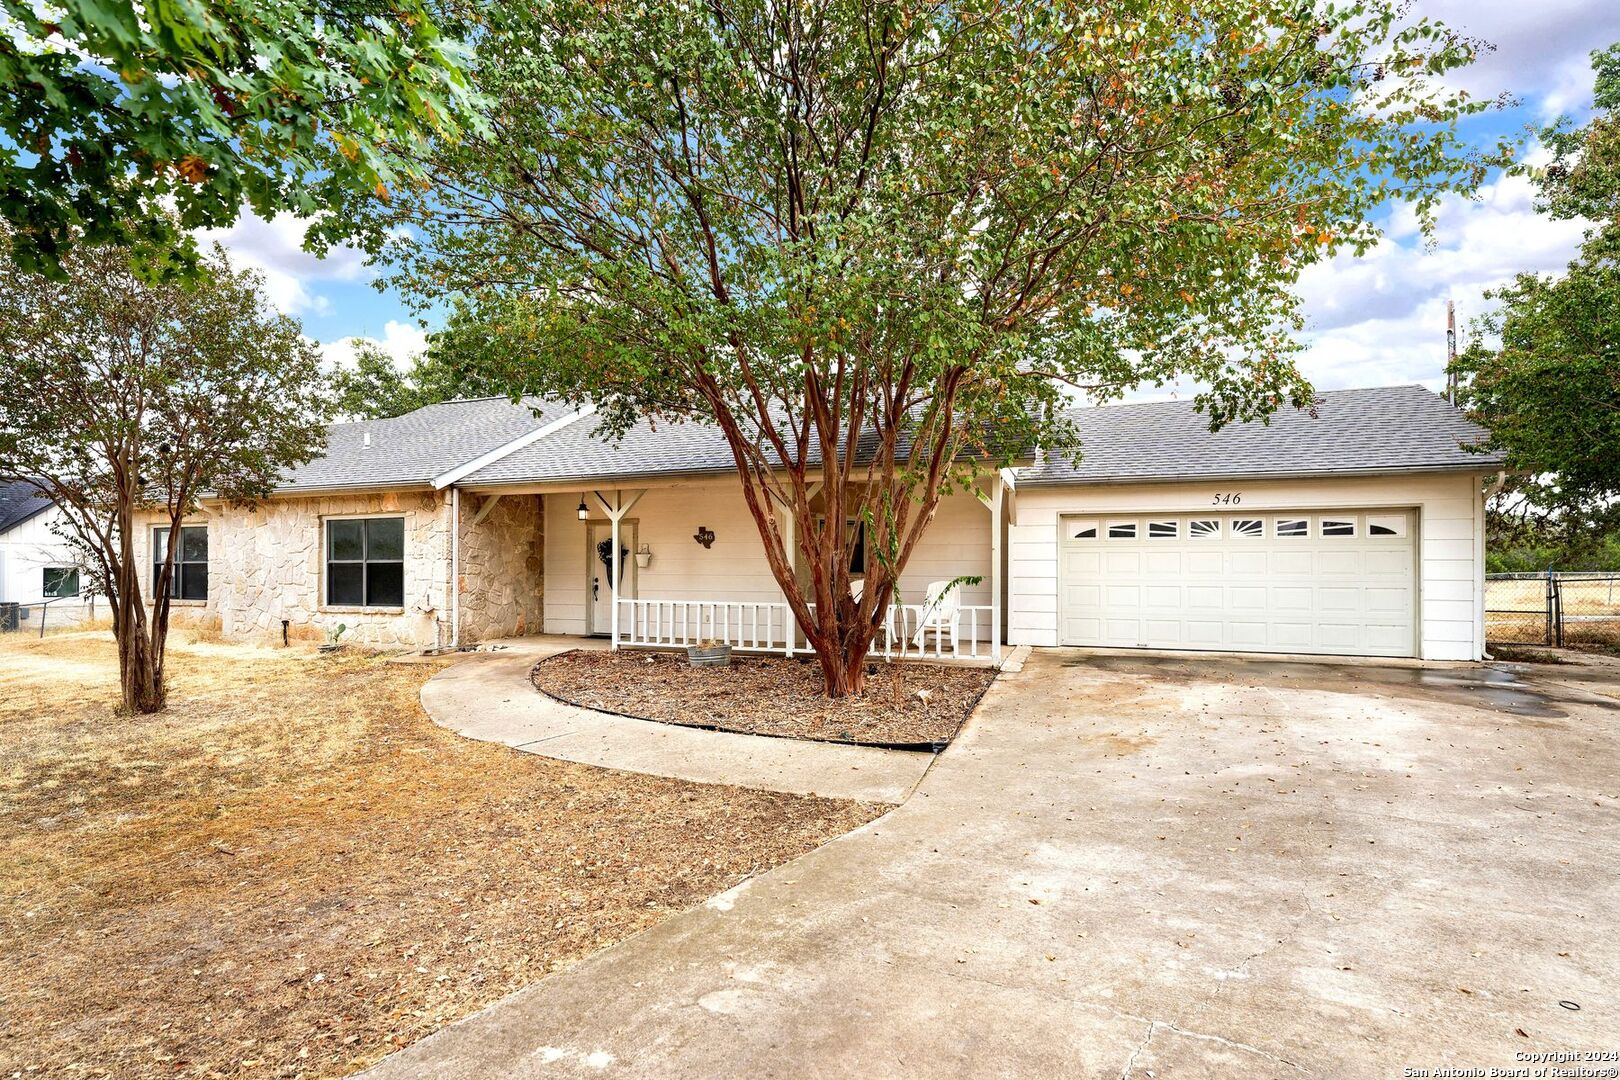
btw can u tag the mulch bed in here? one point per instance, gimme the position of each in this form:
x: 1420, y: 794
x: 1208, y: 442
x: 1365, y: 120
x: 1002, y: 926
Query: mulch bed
x: 909, y: 704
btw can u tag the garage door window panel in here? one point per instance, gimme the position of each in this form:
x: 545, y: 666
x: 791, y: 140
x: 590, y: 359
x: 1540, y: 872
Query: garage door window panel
x: 1083, y: 530
x: 1122, y: 530
x: 1164, y: 530
x: 1338, y: 526
x: 1386, y: 525
x: 1204, y: 529
x: 1250, y: 528
x: 1292, y: 527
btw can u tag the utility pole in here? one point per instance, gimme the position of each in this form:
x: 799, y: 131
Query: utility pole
x: 1451, y: 352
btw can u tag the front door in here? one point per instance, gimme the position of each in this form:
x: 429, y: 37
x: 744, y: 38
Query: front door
x: 600, y: 569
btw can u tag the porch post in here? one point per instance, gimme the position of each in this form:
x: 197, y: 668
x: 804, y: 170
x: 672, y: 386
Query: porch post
x: 615, y: 571
x: 790, y: 628
x: 997, y: 493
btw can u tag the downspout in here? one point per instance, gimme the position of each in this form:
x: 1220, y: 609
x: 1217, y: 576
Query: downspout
x: 455, y: 568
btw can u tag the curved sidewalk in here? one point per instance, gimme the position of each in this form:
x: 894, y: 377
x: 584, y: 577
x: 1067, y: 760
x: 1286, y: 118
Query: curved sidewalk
x: 488, y: 697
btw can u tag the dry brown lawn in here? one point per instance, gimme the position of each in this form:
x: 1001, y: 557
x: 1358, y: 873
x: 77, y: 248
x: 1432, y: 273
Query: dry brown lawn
x: 292, y: 872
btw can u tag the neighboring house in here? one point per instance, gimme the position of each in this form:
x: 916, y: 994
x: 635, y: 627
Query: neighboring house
x: 38, y: 569
x: 1359, y: 531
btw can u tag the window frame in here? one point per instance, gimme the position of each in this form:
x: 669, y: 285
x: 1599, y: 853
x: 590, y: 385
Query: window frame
x: 364, y: 562
x: 1212, y: 534
x: 45, y: 572
x: 1303, y: 532
x: 1258, y: 532
x: 1131, y: 534
x: 1172, y: 524
x: 177, y: 579
x: 1343, y: 527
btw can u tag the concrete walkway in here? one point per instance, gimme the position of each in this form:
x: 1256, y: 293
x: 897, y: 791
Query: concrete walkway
x: 1139, y: 868
x: 488, y: 697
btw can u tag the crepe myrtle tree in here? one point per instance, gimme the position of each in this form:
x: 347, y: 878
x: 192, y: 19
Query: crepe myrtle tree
x: 120, y: 397
x: 111, y: 114
x: 881, y: 245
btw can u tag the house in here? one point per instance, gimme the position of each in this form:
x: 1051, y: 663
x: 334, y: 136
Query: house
x: 1355, y: 531
x: 39, y: 571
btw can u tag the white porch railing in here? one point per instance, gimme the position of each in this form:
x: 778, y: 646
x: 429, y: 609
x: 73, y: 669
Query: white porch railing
x: 770, y: 627
x: 745, y: 626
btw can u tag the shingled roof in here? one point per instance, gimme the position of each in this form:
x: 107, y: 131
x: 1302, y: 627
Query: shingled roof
x: 1380, y: 430
x: 19, y: 501
x: 410, y: 450
x: 1384, y: 429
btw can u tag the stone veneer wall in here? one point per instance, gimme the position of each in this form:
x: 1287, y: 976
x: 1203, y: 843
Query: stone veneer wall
x: 502, y: 568
x: 266, y: 565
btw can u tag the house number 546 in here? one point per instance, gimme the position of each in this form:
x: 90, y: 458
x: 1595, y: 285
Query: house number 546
x: 1228, y: 498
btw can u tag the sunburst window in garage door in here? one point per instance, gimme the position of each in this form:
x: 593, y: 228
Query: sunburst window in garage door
x: 1322, y: 581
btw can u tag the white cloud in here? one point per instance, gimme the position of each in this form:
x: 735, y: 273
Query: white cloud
x: 400, y: 340
x: 275, y: 248
x: 1541, y: 49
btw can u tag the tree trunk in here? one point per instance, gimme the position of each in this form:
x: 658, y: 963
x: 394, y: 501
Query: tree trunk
x: 141, y: 675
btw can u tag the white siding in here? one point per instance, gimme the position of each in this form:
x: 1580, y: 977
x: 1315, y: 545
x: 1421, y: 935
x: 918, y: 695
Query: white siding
x: 1448, y: 521
x: 734, y: 568
x: 25, y: 551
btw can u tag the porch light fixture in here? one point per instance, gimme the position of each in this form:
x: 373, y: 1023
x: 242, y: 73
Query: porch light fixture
x: 583, y: 512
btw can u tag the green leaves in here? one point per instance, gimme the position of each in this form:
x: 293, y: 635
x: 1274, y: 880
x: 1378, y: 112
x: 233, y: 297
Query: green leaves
x: 1550, y: 390
x: 915, y: 229
x: 113, y: 111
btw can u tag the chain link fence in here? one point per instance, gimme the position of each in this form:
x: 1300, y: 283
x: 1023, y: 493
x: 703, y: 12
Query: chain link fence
x: 1552, y: 609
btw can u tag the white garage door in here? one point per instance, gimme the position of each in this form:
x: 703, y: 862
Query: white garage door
x: 1259, y: 582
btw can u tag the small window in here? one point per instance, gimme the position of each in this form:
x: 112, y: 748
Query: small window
x: 1338, y: 526
x: 60, y: 581
x: 1248, y: 527
x: 1204, y: 528
x: 365, y: 562
x: 1293, y: 527
x: 1164, y: 530
x: 1084, y: 530
x: 1122, y: 530
x: 1386, y: 524
x: 189, y: 581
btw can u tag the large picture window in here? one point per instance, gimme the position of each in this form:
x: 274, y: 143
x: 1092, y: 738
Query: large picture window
x: 190, y: 578
x: 365, y: 562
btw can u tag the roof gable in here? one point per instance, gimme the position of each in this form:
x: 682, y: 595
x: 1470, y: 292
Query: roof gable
x: 410, y: 450
x: 20, y: 501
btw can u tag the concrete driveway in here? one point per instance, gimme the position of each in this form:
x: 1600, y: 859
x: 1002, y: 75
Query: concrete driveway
x: 1153, y: 868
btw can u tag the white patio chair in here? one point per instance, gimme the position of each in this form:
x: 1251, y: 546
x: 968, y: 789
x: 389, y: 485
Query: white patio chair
x: 941, y: 615
x: 857, y: 587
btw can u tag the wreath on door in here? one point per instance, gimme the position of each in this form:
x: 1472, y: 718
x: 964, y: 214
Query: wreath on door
x: 604, y: 552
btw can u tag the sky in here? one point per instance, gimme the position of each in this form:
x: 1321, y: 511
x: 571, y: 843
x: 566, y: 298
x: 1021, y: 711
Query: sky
x: 1371, y: 321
